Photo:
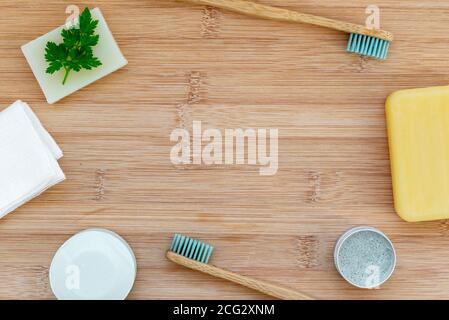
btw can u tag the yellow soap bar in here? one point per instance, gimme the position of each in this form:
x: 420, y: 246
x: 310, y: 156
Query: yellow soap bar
x: 418, y: 133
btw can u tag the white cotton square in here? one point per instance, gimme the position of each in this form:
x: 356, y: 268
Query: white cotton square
x: 28, y: 157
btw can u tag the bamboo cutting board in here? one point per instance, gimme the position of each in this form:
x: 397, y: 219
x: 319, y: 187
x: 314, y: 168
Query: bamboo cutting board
x: 191, y: 63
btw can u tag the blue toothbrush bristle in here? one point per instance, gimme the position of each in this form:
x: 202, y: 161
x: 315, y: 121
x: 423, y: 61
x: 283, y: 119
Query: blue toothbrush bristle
x: 368, y: 46
x: 191, y: 248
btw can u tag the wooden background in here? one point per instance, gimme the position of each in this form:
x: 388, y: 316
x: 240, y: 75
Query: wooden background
x: 192, y: 63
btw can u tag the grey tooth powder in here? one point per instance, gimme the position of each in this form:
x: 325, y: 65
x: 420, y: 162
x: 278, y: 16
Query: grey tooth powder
x: 366, y: 258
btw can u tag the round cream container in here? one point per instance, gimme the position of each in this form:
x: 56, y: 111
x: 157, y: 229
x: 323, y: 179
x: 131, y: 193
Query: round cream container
x: 365, y: 257
x: 94, y: 264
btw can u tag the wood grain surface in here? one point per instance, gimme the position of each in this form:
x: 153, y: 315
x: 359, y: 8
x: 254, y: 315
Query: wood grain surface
x: 190, y: 63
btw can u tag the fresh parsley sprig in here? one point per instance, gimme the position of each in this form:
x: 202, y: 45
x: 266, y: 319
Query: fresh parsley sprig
x: 75, y: 52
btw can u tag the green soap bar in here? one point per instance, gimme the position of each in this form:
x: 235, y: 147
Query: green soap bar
x: 106, y: 50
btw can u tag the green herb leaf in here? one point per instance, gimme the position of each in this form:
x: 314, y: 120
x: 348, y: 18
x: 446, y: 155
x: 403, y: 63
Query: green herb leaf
x: 75, y: 52
x: 87, y: 25
x: 55, y: 55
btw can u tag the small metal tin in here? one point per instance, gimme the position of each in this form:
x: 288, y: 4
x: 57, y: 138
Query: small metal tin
x: 349, y: 234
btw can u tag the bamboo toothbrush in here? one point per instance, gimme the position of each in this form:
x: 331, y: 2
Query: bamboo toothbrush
x: 195, y: 255
x: 363, y: 41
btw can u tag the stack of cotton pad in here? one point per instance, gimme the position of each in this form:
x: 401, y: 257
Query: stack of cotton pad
x: 28, y: 157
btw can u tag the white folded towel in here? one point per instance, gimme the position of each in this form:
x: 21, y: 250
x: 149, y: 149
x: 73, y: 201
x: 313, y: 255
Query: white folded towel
x: 28, y: 157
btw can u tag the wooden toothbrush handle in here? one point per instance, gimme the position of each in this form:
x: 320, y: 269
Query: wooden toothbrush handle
x: 279, y: 14
x: 261, y: 286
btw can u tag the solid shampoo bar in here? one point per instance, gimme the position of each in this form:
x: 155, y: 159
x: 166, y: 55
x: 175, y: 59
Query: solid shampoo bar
x: 106, y: 50
x: 418, y: 131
